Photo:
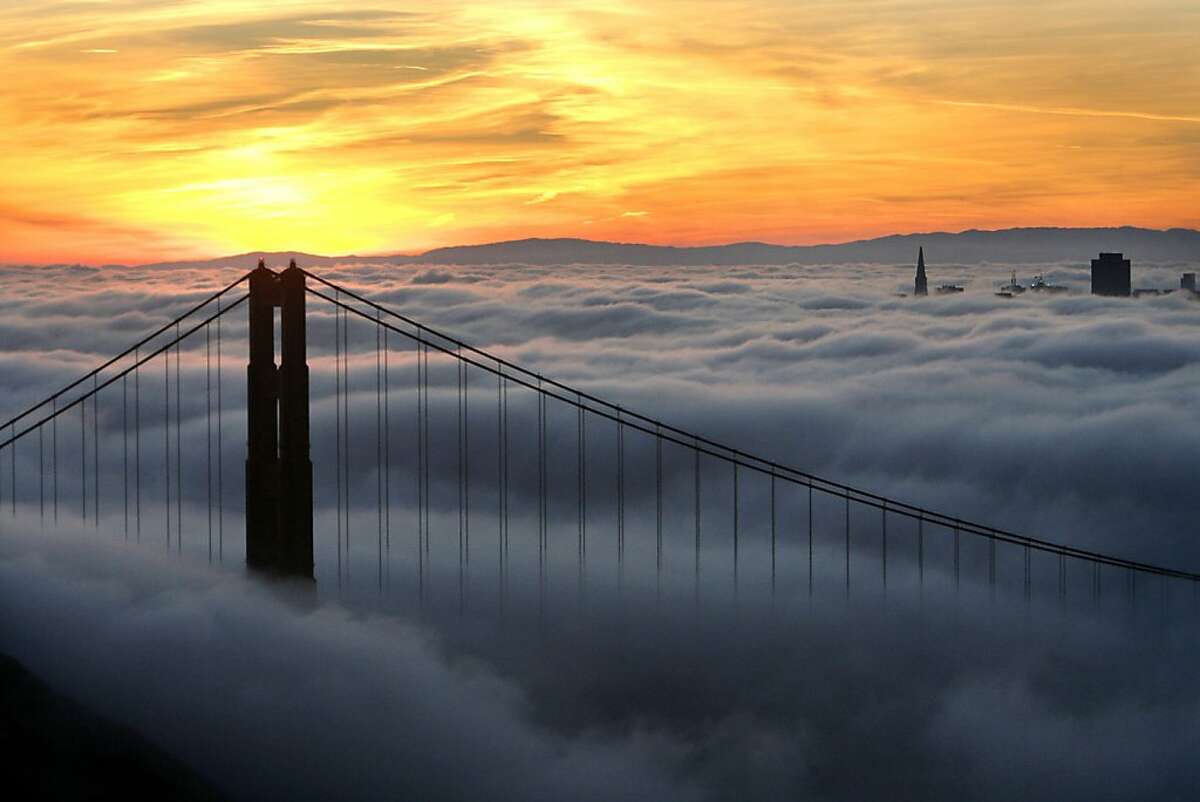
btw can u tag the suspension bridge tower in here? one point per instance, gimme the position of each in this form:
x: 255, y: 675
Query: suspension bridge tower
x: 279, y: 485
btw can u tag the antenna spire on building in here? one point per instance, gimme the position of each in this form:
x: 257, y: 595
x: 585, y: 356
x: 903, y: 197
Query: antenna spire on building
x: 922, y: 284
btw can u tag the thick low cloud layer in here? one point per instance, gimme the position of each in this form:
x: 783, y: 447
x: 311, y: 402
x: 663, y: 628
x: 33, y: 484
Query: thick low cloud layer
x: 273, y: 695
x: 1068, y: 417
x: 278, y: 701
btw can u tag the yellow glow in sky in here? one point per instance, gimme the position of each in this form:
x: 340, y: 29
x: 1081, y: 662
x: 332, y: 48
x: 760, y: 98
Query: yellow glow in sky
x: 133, y: 130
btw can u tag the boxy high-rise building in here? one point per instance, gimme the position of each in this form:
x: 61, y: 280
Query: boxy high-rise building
x: 1111, y: 275
x: 1187, y: 282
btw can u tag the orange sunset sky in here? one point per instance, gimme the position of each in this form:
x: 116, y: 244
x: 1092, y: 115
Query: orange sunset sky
x: 134, y: 130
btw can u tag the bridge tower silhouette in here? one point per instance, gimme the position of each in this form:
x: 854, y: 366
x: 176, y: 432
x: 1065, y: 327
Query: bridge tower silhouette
x: 279, y: 473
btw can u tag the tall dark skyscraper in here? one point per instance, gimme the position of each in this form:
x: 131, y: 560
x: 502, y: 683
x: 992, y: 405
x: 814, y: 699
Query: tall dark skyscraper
x: 1111, y: 275
x: 1187, y: 282
x: 922, y: 285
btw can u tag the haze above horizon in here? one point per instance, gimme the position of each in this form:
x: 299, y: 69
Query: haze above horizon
x: 143, y: 131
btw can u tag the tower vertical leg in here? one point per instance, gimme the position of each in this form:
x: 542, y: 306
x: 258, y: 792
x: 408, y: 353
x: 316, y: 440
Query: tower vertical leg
x: 262, y: 389
x: 295, y: 464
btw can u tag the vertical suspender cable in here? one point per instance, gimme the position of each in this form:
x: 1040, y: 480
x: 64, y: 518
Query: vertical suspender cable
x: 884, y: 542
x: 420, y: 475
x: 581, y: 493
x: 583, y: 484
x: 220, y: 450
x: 504, y: 494
x: 956, y: 559
x: 696, y: 521
x: 458, y: 374
x: 541, y: 489
x: 387, y: 457
x: 178, y: 447
x: 54, y: 455
x: 1062, y: 577
x: 992, y: 565
x: 337, y: 404
x: 425, y: 465
x: 379, y: 449
x: 346, y: 429
x: 620, y: 498
x: 499, y: 476
x: 343, y: 409
x: 466, y: 465
x: 208, y: 427
x: 736, y: 532
x: 137, y: 444
x: 420, y: 349
x: 96, y: 448
x: 41, y: 473
x: 83, y: 460
x: 545, y: 479
x: 167, y: 439
x: 125, y: 448
x: 773, y: 535
x: 1028, y: 576
x: 847, y: 545
x: 921, y: 551
x: 422, y: 447
x: 541, y: 446
x: 810, y: 539
x: 658, y: 512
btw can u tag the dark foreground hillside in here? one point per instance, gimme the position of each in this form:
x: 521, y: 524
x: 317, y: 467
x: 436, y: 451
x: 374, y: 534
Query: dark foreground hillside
x: 55, y: 749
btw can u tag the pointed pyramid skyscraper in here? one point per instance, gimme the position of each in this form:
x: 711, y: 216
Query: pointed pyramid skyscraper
x: 922, y: 285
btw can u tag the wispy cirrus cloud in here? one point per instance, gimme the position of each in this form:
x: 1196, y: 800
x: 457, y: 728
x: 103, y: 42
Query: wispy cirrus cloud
x: 776, y: 121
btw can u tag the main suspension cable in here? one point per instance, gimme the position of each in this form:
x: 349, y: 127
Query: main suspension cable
x: 130, y: 350
x: 792, y: 475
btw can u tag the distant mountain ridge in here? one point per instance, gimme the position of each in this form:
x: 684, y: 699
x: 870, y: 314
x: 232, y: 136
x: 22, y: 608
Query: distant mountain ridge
x: 968, y: 247
x: 273, y: 258
x: 1013, y: 245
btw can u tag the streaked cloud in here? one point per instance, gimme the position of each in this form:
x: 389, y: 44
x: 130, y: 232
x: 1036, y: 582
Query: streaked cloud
x: 772, y: 120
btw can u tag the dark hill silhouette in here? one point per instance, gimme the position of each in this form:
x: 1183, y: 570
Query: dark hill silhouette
x: 276, y: 258
x: 54, y: 748
x: 1014, y: 245
x: 968, y: 247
